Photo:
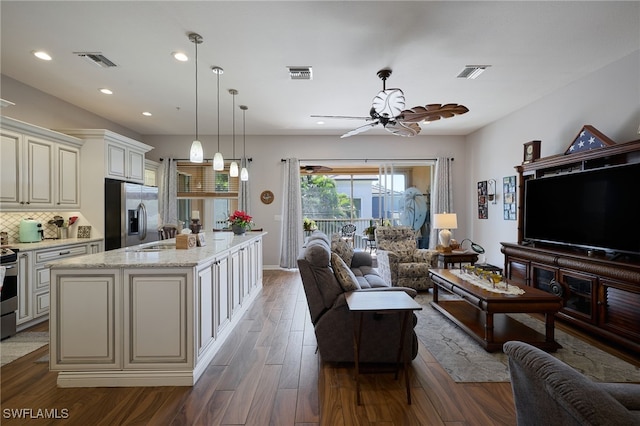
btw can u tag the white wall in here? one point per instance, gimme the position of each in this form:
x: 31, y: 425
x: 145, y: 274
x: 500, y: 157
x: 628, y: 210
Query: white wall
x: 266, y: 168
x: 608, y: 99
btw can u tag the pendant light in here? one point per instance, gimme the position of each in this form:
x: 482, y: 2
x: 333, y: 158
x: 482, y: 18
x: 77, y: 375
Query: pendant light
x: 196, y: 154
x: 233, y: 168
x: 244, y: 173
x: 218, y: 160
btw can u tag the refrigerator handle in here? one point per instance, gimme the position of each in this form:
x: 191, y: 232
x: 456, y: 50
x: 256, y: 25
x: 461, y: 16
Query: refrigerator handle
x: 142, y: 214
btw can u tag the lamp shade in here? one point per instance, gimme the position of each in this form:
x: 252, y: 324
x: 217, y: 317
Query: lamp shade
x: 445, y: 221
x: 218, y: 162
x: 244, y: 174
x: 196, y: 155
x: 233, y: 169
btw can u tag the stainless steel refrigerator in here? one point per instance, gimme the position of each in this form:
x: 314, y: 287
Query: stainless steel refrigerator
x: 131, y: 214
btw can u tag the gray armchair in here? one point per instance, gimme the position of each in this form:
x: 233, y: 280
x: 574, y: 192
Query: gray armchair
x: 400, y: 261
x: 548, y: 392
x: 332, y: 320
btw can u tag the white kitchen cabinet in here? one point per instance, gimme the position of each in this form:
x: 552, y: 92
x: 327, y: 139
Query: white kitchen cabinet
x: 110, y: 155
x: 68, y: 177
x: 25, y: 285
x: 33, y: 296
x: 124, y: 162
x: 39, y: 168
x: 126, y: 320
x: 93, y: 328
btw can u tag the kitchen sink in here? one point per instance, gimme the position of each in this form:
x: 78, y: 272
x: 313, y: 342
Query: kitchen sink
x: 155, y: 247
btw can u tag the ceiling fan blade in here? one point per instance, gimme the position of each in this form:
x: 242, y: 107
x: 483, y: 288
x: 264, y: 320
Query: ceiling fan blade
x: 432, y: 112
x: 347, y: 117
x: 388, y: 103
x: 401, y: 129
x: 360, y: 129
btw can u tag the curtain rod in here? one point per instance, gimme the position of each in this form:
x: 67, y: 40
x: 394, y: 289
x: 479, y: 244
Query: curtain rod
x: 366, y: 159
x: 207, y: 160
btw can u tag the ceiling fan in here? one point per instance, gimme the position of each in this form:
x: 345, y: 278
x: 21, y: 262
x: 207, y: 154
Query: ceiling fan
x: 315, y: 169
x: 388, y: 109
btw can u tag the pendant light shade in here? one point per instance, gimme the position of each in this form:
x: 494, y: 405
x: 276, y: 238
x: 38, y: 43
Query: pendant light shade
x: 218, y: 160
x: 196, y: 154
x: 233, y: 168
x: 244, y: 173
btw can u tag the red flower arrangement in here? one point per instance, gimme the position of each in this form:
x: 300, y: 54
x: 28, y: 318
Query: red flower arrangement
x: 240, y: 218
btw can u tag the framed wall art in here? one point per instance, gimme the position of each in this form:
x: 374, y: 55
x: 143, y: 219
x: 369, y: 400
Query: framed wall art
x: 509, y: 191
x: 483, y: 204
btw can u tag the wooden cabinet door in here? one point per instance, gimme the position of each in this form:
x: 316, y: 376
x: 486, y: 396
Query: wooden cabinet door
x: 135, y: 165
x: 25, y: 287
x: 116, y: 161
x: 223, y: 300
x: 580, y: 294
x: 517, y: 271
x: 205, y: 303
x: 618, y: 307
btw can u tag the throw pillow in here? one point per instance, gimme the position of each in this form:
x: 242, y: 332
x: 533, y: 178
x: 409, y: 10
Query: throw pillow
x: 345, y: 276
x: 342, y: 248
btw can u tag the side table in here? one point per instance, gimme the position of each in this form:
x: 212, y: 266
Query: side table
x: 451, y: 258
x: 382, y: 302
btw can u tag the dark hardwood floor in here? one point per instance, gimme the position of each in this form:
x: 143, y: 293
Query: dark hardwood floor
x: 267, y: 373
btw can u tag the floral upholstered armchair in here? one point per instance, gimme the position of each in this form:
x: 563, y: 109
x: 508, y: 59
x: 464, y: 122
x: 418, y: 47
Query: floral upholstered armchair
x: 400, y: 261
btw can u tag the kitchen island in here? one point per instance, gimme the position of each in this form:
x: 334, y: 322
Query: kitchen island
x: 150, y: 315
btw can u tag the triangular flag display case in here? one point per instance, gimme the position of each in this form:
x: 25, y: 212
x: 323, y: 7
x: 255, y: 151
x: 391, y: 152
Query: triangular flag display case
x: 587, y: 139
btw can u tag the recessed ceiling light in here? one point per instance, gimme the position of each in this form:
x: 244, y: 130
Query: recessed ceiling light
x: 147, y: 114
x: 179, y: 56
x: 40, y: 54
x: 319, y: 122
x: 106, y: 91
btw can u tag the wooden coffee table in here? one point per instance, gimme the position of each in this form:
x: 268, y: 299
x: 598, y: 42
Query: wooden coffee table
x: 482, y: 313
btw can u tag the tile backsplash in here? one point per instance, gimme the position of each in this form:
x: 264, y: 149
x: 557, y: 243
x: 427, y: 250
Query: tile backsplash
x: 10, y: 223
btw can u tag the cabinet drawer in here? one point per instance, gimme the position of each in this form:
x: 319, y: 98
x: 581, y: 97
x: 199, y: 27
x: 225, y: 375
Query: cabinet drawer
x: 43, y: 256
x: 42, y: 303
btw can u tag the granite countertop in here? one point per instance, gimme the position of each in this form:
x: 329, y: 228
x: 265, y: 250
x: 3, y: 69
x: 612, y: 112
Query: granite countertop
x: 45, y: 244
x: 136, y: 256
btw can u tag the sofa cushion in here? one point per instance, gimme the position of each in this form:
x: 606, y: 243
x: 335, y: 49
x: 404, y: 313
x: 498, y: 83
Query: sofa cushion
x: 342, y: 248
x: 368, y: 277
x: 345, y: 276
x: 317, y: 253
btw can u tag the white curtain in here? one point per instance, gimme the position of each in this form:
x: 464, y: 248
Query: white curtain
x: 442, y: 196
x: 168, y: 192
x: 243, y: 192
x: 291, y: 236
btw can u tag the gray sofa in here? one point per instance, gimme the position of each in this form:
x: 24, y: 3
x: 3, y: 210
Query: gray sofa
x: 330, y: 315
x: 548, y: 392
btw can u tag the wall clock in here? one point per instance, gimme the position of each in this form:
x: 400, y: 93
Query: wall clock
x: 266, y: 197
x: 531, y: 151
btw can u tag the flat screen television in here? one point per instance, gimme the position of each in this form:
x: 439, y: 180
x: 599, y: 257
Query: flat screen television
x: 595, y: 209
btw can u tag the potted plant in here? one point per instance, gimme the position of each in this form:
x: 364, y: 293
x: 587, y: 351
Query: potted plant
x: 309, y: 224
x: 240, y: 222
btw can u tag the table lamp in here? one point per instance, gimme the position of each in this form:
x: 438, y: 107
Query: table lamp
x: 444, y: 222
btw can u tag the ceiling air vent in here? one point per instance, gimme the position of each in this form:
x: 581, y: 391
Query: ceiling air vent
x: 300, y: 73
x: 472, y: 71
x: 96, y: 58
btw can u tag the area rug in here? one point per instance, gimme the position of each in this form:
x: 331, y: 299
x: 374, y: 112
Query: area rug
x: 466, y: 361
x: 22, y: 344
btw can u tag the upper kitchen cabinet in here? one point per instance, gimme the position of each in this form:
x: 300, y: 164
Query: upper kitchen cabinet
x: 123, y: 157
x: 39, y: 168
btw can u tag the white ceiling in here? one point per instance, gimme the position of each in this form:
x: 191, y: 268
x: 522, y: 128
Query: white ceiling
x: 534, y: 48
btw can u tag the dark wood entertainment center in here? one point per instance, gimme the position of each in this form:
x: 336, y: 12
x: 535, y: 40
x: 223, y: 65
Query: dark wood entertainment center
x: 601, y: 291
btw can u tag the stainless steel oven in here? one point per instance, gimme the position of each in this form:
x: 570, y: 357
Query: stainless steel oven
x: 9, y: 292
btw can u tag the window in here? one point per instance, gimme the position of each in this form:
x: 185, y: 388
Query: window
x: 214, y: 194
x: 364, y: 195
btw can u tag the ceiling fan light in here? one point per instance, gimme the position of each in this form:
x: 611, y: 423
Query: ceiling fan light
x: 218, y: 162
x: 196, y: 155
x: 244, y: 174
x: 233, y: 169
